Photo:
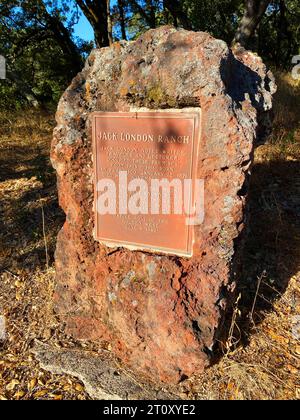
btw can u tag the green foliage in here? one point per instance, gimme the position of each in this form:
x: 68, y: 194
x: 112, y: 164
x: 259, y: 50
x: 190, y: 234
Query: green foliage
x: 40, y: 54
x: 218, y: 17
x: 278, y: 36
x: 37, y: 37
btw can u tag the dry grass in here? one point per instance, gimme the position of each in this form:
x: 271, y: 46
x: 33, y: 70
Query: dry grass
x: 262, y: 358
x: 30, y: 217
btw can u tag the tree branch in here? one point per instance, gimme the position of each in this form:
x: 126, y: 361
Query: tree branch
x: 178, y: 14
x: 254, y: 11
x: 138, y: 8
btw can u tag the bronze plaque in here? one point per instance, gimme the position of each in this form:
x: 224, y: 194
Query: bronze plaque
x: 141, y: 162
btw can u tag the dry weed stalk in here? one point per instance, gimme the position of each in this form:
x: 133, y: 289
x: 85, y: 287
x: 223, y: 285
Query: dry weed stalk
x: 45, y: 238
x: 259, y: 281
x: 232, y: 341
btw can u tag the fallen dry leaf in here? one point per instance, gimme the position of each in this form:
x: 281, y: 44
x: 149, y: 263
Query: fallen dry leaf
x: 41, y: 393
x: 32, y: 384
x: 19, y: 394
x: 79, y: 387
x: 11, y: 386
x: 56, y: 397
x: 292, y: 369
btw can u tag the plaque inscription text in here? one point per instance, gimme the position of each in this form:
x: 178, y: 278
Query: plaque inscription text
x: 142, y: 164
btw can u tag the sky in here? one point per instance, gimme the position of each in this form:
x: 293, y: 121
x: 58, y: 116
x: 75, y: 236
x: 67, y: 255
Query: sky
x: 83, y: 29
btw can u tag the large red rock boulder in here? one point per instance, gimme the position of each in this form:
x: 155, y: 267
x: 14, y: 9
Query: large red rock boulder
x: 162, y: 315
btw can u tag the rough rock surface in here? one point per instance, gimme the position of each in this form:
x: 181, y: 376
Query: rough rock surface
x: 162, y: 315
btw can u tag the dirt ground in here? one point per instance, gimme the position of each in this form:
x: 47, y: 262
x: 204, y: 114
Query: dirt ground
x: 261, y: 358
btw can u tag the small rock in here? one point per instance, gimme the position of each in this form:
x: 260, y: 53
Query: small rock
x: 2, y: 328
x: 101, y: 376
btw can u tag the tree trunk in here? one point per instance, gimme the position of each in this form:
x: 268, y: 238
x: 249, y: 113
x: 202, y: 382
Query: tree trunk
x: 68, y: 46
x: 63, y: 38
x: 109, y: 23
x: 122, y: 19
x: 101, y: 35
x: 96, y: 13
x: 179, y: 16
x: 283, y: 34
x: 254, y: 11
x: 24, y: 89
x: 152, y: 16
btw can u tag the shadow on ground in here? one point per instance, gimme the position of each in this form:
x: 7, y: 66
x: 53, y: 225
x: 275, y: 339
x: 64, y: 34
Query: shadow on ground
x: 271, y: 254
x: 30, y: 217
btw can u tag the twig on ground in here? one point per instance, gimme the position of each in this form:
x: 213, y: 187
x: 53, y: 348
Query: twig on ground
x: 45, y: 238
x: 260, y: 279
x: 231, y: 341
